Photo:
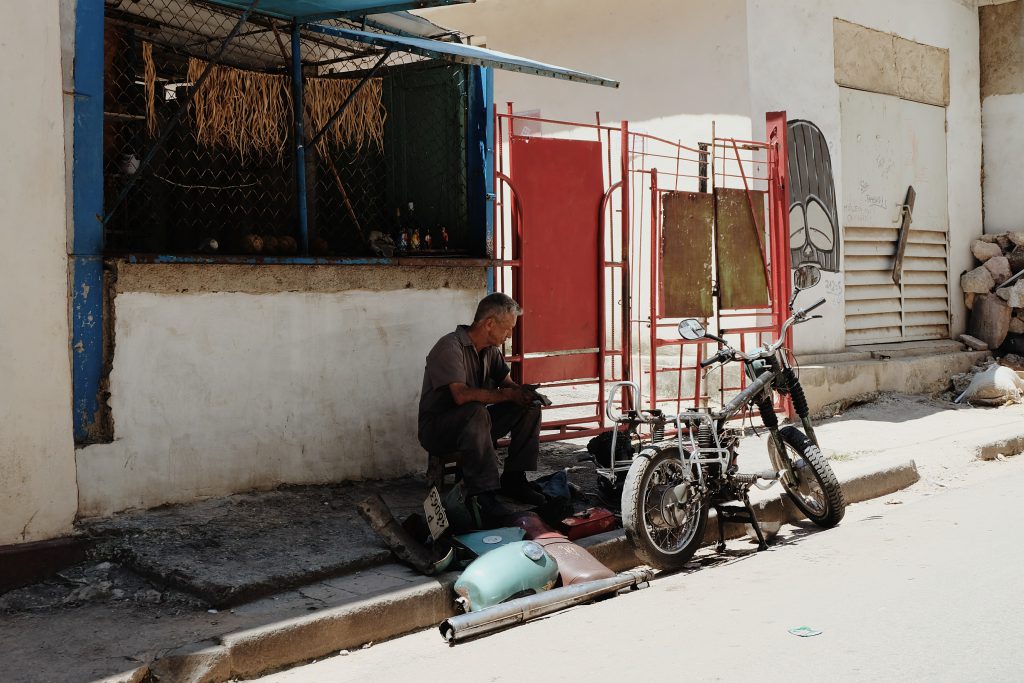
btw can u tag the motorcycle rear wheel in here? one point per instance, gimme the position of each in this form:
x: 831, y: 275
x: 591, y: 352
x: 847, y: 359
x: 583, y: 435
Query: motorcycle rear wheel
x: 817, y: 493
x: 664, y: 530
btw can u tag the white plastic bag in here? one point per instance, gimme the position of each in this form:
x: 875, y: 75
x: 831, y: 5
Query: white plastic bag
x: 993, y: 387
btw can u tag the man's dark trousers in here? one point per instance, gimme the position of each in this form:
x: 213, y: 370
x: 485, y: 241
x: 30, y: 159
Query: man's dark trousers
x: 472, y: 429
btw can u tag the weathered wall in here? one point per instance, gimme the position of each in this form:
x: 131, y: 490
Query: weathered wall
x: 230, y: 378
x: 799, y: 76
x: 1002, y: 110
x: 681, y: 63
x: 38, y: 496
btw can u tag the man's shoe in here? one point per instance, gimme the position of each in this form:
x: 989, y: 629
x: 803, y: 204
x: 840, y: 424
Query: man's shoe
x: 515, y: 486
x: 493, y: 512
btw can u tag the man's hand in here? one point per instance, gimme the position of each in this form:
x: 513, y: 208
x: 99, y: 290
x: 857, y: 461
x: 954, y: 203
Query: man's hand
x: 518, y: 395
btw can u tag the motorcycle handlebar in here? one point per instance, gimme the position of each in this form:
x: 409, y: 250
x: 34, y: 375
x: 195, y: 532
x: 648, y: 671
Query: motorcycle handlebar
x: 814, y: 305
x: 721, y: 355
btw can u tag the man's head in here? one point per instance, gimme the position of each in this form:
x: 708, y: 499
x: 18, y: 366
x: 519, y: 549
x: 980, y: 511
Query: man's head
x: 496, y: 315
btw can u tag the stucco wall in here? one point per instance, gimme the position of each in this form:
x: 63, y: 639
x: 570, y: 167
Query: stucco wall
x: 681, y: 63
x: 792, y: 67
x: 38, y: 496
x: 1002, y: 109
x: 231, y: 378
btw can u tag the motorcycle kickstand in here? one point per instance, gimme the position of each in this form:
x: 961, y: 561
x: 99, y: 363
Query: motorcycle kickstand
x: 720, y: 547
x: 761, y: 543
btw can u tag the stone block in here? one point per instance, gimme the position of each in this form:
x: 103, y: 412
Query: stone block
x: 1004, y: 242
x: 969, y: 299
x: 979, y: 281
x: 1013, y: 295
x: 1016, y: 259
x: 990, y: 320
x: 988, y: 238
x: 983, y: 251
x: 1016, y: 325
x: 999, y: 266
x: 972, y: 343
x: 1016, y: 237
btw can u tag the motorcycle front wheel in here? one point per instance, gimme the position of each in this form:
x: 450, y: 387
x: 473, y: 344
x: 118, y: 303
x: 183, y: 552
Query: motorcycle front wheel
x: 817, y: 492
x: 663, y: 517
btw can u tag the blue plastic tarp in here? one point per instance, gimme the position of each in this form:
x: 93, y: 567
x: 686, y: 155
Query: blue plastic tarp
x: 305, y: 9
x: 462, y: 54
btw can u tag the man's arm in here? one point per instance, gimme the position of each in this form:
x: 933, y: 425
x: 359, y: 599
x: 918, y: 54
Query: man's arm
x: 508, y: 391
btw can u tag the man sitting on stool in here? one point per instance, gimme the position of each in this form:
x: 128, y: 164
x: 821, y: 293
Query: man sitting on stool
x: 469, y: 401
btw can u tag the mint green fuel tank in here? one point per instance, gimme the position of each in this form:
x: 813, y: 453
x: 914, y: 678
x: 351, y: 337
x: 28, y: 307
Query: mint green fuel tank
x: 511, y: 571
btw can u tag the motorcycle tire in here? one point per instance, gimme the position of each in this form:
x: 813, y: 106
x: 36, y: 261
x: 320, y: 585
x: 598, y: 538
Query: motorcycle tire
x: 817, y: 494
x: 658, y: 541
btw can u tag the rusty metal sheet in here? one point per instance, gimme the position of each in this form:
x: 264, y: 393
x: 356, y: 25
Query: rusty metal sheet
x: 687, y: 227
x: 742, y: 280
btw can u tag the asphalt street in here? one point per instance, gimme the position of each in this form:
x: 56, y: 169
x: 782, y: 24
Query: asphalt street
x: 908, y: 587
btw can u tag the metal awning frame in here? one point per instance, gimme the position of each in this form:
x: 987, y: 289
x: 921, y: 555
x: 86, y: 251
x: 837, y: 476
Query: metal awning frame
x: 431, y: 49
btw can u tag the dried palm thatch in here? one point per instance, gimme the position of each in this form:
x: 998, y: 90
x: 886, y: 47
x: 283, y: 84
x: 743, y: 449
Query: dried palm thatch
x: 150, y: 79
x: 245, y: 111
x: 251, y: 112
x: 361, y: 124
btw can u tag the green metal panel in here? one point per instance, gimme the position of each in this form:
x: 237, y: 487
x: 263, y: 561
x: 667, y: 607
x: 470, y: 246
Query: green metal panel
x: 687, y: 223
x: 742, y: 281
x: 425, y: 141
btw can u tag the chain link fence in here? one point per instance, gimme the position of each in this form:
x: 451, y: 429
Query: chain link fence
x: 223, y: 181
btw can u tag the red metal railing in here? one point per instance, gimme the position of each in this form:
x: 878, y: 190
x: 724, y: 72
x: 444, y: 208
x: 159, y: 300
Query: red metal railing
x: 630, y: 269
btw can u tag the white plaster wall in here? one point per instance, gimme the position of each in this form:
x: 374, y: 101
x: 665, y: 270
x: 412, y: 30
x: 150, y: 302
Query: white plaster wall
x: 1003, y: 137
x: 38, y: 495
x: 792, y: 69
x: 681, y: 63
x: 217, y: 393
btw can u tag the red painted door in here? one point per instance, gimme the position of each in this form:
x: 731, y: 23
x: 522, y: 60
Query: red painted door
x: 560, y: 186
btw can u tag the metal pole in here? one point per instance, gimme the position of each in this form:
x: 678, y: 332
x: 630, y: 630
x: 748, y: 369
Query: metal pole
x: 530, y: 607
x: 298, y: 114
x: 627, y: 298
x: 180, y: 114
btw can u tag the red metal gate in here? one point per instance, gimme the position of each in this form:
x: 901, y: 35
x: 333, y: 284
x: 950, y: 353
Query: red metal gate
x: 579, y: 242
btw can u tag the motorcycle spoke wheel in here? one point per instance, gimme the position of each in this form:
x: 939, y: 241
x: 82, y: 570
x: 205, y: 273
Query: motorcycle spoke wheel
x: 816, y: 492
x: 664, y: 530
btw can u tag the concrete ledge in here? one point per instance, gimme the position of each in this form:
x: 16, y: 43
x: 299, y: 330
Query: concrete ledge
x: 1005, y: 447
x: 829, y: 383
x: 389, y: 614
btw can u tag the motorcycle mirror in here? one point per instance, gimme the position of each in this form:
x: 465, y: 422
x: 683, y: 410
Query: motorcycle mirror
x: 691, y: 330
x: 806, y: 276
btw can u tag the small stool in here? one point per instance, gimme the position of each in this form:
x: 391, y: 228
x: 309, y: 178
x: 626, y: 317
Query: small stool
x: 440, y: 465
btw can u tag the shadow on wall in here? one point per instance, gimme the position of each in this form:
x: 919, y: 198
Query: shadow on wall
x: 671, y: 57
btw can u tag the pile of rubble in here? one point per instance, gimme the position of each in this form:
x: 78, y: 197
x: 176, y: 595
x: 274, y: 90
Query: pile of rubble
x: 994, y: 291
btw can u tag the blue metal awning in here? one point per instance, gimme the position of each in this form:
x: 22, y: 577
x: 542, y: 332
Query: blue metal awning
x: 313, y: 10
x: 461, y: 54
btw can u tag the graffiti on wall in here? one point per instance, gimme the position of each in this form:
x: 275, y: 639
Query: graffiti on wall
x: 813, y: 218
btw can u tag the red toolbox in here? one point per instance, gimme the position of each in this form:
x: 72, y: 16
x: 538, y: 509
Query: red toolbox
x: 587, y: 523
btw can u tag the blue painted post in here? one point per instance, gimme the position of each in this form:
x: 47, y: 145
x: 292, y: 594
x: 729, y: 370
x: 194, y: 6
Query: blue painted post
x: 87, y: 211
x: 480, y: 162
x: 300, y: 134
x: 487, y: 74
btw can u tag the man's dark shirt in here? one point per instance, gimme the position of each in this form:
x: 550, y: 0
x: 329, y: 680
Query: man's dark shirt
x: 454, y: 360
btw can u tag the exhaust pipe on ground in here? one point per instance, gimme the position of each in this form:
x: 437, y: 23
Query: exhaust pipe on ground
x: 532, y: 606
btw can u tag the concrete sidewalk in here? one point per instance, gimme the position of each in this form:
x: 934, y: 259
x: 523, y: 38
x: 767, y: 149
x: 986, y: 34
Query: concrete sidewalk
x: 175, y: 593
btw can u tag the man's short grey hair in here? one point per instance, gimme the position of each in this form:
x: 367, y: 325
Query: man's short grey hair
x: 496, y: 305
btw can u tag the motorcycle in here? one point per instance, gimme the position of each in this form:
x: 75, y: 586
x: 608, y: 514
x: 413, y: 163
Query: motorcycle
x: 670, y: 485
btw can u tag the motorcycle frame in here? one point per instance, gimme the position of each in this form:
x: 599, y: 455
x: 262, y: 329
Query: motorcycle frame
x: 684, y: 422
